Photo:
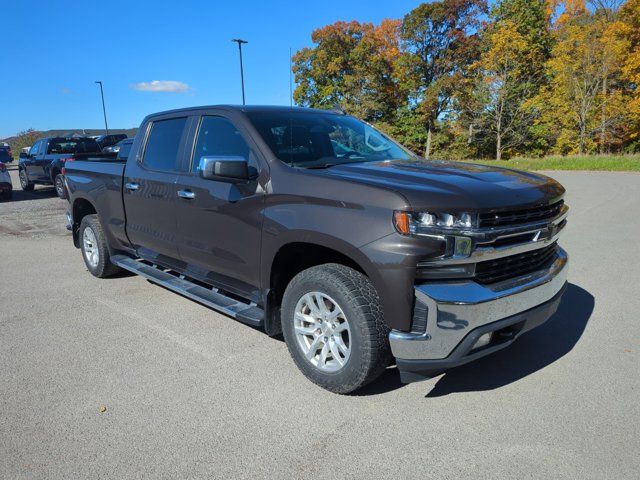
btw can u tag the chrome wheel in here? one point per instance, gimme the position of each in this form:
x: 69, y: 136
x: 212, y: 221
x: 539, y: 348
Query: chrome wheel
x: 90, y: 244
x: 24, y: 183
x: 59, y: 183
x: 322, y: 331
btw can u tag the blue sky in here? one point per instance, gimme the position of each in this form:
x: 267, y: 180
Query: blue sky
x: 53, y: 51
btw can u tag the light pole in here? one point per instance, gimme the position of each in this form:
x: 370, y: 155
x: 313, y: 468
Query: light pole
x: 240, y: 42
x: 104, y: 110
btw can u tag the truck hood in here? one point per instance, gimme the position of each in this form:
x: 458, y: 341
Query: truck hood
x: 453, y: 186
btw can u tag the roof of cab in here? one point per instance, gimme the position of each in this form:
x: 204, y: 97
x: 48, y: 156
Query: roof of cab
x: 242, y: 108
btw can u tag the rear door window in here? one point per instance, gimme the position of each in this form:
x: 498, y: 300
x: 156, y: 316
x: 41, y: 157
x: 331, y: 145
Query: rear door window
x: 163, y: 144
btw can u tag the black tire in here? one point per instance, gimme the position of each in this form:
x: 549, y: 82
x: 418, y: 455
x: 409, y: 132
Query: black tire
x: 58, y: 182
x: 24, y: 181
x: 103, y: 267
x: 358, y: 299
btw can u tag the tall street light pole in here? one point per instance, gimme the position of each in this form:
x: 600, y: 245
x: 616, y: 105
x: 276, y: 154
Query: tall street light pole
x: 240, y: 42
x: 104, y: 110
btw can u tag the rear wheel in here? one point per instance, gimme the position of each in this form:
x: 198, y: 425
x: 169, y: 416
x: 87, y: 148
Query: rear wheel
x: 333, y: 326
x: 58, y: 181
x: 95, y: 250
x: 24, y: 181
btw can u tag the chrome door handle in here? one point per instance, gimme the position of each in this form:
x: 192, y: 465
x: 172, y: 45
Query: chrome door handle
x: 186, y: 194
x: 131, y: 186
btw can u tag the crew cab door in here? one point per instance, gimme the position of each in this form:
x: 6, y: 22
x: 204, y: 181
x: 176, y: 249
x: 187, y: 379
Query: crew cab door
x: 31, y: 163
x: 149, y: 190
x: 41, y: 163
x: 219, y: 220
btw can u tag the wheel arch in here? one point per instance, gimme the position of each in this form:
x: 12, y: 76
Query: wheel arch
x: 80, y: 208
x: 298, y: 254
x: 55, y: 170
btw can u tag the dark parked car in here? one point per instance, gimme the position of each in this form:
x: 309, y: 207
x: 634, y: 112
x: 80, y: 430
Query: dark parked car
x: 116, y: 148
x: 315, y: 225
x: 6, y: 186
x: 109, y: 140
x: 6, y: 155
x: 45, y: 160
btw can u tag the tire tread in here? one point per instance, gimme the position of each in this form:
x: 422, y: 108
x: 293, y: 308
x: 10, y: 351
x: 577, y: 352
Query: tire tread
x: 105, y: 268
x: 375, y: 353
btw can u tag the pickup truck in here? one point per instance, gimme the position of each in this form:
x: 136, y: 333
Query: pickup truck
x: 312, y: 224
x: 105, y: 141
x: 43, y: 163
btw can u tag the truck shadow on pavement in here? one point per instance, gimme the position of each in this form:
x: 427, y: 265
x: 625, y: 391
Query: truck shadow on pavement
x: 37, y: 194
x: 531, y: 352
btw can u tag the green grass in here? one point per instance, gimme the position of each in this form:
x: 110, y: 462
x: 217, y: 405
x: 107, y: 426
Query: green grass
x: 609, y: 163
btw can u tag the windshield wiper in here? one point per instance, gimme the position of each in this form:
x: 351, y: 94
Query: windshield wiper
x: 324, y: 165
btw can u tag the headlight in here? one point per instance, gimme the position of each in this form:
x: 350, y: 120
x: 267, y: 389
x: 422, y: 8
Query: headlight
x: 408, y: 223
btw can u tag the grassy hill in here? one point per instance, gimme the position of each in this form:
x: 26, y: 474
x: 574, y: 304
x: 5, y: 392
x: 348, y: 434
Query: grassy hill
x: 130, y: 132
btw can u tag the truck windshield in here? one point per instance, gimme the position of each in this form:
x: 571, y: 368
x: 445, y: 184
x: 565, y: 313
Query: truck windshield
x: 319, y: 140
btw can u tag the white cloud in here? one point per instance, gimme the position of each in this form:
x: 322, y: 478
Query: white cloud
x: 162, y: 86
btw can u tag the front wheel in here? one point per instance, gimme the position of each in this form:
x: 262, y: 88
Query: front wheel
x: 333, y: 326
x: 58, y: 181
x: 24, y: 181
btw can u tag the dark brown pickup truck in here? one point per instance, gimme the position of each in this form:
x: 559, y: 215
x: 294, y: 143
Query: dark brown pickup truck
x: 312, y: 224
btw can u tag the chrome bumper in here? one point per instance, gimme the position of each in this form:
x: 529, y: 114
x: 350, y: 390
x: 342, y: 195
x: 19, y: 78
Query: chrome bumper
x: 456, y: 309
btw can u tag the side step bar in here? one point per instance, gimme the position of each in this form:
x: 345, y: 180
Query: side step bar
x: 248, y: 313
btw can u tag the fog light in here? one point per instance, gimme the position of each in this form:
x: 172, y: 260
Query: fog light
x: 484, y: 340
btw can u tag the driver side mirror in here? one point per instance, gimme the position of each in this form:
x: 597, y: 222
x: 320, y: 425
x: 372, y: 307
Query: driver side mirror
x: 225, y: 167
x: 24, y: 155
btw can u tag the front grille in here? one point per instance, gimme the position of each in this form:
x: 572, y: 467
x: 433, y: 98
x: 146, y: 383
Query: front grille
x: 518, y: 217
x: 492, y: 271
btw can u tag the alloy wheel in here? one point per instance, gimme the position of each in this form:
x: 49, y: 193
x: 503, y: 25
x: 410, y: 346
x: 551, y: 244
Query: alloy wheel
x: 90, y: 244
x: 322, y: 331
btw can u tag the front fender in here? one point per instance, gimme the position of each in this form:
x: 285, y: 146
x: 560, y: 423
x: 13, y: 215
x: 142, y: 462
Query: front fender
x: 383, y: 255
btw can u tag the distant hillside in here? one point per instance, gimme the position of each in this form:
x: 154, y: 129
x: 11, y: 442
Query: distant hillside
x: 130, y: 132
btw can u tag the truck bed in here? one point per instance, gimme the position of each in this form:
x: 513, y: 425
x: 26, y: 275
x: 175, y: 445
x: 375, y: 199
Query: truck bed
x: 100, y: 183
x: 110, y: 157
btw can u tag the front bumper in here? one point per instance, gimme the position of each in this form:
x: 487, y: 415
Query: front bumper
x: 459, y: 313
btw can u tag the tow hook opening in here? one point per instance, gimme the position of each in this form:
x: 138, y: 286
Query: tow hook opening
x: 496, y: 337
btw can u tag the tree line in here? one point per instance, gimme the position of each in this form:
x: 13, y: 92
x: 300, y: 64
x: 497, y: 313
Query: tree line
x: 455, y: 78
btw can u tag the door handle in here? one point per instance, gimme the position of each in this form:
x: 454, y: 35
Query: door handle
x: 186, y: 194
x: 131, y: 186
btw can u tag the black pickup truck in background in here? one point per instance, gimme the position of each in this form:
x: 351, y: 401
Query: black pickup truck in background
x: 109, y: 140
x: 44, y: 163
x: 313, y: 224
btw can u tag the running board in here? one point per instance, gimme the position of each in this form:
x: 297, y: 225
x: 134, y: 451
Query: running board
x: 248, y: 313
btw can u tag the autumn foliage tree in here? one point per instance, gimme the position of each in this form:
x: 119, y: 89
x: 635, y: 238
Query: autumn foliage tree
x: 627, y: 31
x: 353, y: 66
x: 583, y: 105
x: 439, y: 41
x: 505, y: 84
x: 23, y: 139
x: 452, y: 78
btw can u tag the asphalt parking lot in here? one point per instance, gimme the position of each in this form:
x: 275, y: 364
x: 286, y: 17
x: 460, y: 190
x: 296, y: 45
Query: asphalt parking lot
x: 190, y: 393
